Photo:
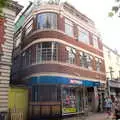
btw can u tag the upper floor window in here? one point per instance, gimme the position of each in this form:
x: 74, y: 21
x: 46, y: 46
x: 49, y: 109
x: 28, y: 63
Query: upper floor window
x: 86, y: 60
x: 46, y: 51
x: 69, y: 27
x: 28, y: 27
x: 71, y: 55
x: 18, y: 39
x: 95, y: 41
x: 83, y: 35
x: 47, y: 20
x: 98, y: 64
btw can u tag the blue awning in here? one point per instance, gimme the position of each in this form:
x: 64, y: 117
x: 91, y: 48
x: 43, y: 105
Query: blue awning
x: 61, y: 80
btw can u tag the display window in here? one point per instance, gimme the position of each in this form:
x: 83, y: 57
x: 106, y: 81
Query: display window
x: 69, y: 100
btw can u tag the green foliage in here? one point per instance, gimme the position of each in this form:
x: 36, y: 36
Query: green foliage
x: 110, y: 14
x: 3, y: 3
x: 115, y: 9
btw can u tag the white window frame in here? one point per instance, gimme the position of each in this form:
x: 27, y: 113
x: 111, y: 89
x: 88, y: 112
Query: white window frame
x: 85, y: 33
x: 69, y: 31
x: 95, y: 41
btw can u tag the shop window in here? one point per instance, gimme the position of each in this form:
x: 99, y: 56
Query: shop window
x: 28, y: 27
x: 95, y: 41
x: 68, y: 27
x: 98, y: 64
x: 69, y: 100
x: 47, y: 20
x: 71, y: 55
x: 44, y: 93
x: 83, y: 35
x: 46, y: 51
x: 86, y: 60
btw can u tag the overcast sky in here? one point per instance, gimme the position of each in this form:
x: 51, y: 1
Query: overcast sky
x: 97, y: 10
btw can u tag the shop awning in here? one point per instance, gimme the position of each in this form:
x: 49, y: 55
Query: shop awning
x: 61, y: 80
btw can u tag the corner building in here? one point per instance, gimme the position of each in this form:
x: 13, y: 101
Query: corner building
x: 59, y: 58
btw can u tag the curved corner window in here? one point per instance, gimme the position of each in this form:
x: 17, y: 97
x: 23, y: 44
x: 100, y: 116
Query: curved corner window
x: 47, y: 20
x: 71, y: 55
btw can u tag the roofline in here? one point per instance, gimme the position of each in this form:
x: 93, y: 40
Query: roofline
x: 115, y: 52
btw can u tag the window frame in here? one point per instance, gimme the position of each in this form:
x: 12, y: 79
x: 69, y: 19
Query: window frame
x: 95, y: 41
x: 69, y: 23
x: 84, y: 32
x: 46, y: 15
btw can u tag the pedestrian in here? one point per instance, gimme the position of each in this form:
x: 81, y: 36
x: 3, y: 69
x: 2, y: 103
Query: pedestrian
x: 108, y: 105
x: 117, y: 109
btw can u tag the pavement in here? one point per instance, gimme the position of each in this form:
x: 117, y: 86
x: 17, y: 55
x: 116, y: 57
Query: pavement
x: 93, y: 116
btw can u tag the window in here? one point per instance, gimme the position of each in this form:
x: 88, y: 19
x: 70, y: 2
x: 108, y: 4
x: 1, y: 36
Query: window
x: 46, y: 51
x: 44, y: 93
x: 68, y: 27
x: 28, y: 27
x: 95, y: 41
x: 86, y: 60
x: 47, y: 20
x: 71, y: 55
x: 83, y: 35
x: 98, y: 64
x: 18, y: 39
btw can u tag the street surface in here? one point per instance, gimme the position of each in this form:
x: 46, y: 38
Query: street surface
x: 95, y: 116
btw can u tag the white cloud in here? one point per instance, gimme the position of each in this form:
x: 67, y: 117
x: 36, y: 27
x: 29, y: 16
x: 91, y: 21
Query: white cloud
x: 98, y: 10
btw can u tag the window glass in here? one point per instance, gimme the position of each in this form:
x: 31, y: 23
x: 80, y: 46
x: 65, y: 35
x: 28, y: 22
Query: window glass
x: 86, y: 60
x: 68, y: 27
x: 95, y: 41
x: 47, y: 20
x: 69, y: 100
x: 83, y: 35
x: 18, y: 39
x: 46, y: 51
x: 44, y: 93
x: 98, y: 64
x: 71, y: 55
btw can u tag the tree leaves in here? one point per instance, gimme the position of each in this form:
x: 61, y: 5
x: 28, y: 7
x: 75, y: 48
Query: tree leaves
x: 115, y: 9
x: 110, y: 14
x: 3, y: 3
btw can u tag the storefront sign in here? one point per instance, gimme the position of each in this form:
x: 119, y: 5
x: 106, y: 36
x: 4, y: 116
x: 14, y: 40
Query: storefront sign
x: 69, y: 110
x: 115, y: 84
x: 76, y: 82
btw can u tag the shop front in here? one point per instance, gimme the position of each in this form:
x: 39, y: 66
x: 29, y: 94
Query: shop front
x: 53, y: 96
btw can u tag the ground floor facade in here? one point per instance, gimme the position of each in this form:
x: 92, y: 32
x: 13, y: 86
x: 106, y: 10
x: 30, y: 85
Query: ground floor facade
x: 54, y: 96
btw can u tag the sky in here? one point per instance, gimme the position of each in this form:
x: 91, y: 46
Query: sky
x: 97, y: 10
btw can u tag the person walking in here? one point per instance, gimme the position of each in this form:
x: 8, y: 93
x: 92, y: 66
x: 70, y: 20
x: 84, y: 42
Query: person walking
x: 108, y: 105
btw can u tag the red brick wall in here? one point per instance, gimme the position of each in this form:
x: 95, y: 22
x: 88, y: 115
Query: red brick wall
x: 2, y: 30
x: 61, y: 36
x: 43, y: 68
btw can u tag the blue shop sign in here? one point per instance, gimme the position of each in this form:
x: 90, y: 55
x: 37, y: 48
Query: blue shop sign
x: 61, y: 80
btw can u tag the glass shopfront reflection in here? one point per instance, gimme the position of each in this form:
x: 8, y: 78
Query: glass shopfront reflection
x: 72, y: 99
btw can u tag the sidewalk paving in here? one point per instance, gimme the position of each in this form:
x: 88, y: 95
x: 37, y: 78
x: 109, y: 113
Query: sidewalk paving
x: 98, y: 116
x: 93, y: 116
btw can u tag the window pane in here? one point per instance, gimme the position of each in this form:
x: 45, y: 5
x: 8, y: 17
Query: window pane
x: 44, y: 93
x: 68, y: 27
x: 83, y: 36
x: 95, y: 41
x: 47, y: 20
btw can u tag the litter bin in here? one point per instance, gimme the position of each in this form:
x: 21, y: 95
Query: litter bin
x: 3, y: 115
